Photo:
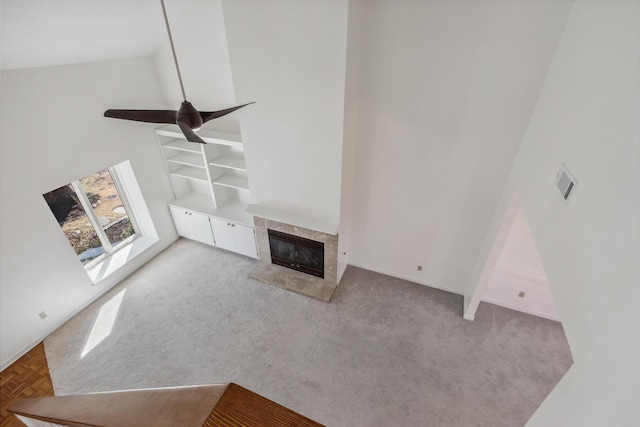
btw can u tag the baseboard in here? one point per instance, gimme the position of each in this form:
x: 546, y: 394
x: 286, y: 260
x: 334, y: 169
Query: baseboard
x: 522, y: 310
x: 152, y: 252
x: 407, y: 278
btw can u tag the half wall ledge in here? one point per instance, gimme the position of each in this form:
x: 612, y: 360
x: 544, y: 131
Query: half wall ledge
x: 293, y: 219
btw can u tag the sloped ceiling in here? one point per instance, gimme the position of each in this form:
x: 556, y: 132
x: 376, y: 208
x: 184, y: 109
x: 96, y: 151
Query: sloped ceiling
x: 43, y: 33
x: 53, y: 32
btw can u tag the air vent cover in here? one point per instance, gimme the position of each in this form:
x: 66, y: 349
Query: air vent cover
x: 565, y: 182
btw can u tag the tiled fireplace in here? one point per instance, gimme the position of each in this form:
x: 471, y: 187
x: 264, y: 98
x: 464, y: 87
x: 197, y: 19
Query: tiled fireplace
x: 320, y: 288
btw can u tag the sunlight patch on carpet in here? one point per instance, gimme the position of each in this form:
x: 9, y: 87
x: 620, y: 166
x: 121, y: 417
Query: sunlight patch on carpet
x: 103, y: 325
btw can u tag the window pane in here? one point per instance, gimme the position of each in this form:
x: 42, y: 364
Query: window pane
x: 73, y: 220
x: 107, y: 204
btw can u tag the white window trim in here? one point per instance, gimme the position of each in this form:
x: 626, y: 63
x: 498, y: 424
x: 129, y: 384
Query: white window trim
x: 106, y: 255
x: 110, y: 266
x: 124, y: 198
x: 91, y: 214
x: 119, y: 259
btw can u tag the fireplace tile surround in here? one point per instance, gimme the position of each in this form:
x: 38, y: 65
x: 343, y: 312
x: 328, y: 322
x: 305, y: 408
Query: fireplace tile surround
x: 291, y: 280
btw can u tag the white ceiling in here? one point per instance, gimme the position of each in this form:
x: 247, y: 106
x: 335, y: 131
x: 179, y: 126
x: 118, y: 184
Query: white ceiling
x: 39, y: 33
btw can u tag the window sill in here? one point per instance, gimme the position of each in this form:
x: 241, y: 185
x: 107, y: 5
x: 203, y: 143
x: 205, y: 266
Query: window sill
x: 119, y: 259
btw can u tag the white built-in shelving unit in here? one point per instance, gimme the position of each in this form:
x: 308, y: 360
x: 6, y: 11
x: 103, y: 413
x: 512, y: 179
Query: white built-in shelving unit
x: 209, y: 179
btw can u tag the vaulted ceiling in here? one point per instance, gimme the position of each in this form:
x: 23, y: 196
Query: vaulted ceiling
x: 43, y: 33
x: 53, y: 32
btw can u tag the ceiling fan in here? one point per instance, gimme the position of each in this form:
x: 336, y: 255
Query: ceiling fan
x: 188, y: 118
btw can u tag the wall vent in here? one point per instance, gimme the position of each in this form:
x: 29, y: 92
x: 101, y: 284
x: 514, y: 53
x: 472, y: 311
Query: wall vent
x: 565, y: 182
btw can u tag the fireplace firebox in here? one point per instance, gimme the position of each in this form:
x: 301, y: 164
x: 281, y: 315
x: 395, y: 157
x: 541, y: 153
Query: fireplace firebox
x: 297, y: 253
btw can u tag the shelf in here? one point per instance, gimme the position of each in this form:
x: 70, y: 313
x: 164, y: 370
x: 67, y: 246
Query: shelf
x: 191, y: 173
x: 182, y: 145
x: 229, y: 162
x: 232, y: 181
x: 195, y: 202
x: 211, y: 136
x: 187, y: 159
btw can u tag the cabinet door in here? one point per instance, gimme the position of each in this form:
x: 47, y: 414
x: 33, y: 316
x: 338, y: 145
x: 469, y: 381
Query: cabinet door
x: 223, y: 233
x: 192, y: 225
x: 245, y: 240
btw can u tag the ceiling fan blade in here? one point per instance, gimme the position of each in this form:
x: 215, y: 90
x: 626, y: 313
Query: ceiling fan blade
x: 210, y: 115
x: 148, y: 116
x: 189, y: 133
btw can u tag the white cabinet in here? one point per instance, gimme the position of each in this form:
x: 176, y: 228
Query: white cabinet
x: 215, y: 231
x: 234, y: 237
x: 245, y: 239
x: 224, y: 234
x: 192, y: 225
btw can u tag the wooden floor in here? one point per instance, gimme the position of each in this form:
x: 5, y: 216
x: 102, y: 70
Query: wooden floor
x: 26, y: 377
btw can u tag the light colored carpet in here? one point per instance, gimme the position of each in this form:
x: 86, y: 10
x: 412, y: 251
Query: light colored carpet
x: 384, y: 352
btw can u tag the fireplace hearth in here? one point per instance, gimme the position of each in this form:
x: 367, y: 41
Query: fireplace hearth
x: 297, y: 253
x: 313, y: 253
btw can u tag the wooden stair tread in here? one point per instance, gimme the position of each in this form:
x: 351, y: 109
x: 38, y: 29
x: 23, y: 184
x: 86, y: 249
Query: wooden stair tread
x: 187, y: 407
x: 198, y: 406
x: 241, y: 407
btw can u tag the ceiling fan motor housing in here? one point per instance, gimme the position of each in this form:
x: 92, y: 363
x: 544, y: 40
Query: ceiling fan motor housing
x: 189, y: 115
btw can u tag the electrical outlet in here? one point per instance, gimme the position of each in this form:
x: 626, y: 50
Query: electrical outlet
x: 521, y: 294
x: 43, y: 315
x: 419, y: 268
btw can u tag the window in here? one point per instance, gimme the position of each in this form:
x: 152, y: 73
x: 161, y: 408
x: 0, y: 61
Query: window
x: 94, y: 215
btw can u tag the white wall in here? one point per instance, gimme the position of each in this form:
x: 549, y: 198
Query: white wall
x: 446, y: 91
x: 519, y: 254
x: 200, y: 39
x: 290, y: 58
x: 350, y: 136
x: 587, y: 117
x: 518, y: 269
x: 53, y: 132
